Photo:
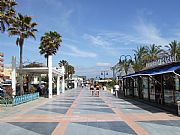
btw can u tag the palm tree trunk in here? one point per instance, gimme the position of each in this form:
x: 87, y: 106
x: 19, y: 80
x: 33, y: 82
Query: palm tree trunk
x: 20, y: 72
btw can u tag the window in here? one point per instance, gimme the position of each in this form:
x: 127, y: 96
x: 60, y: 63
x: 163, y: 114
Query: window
x: 152, y: 89
x: 136, y: 87
x: 129, y: 87
x: 168, y: 88
x: 177, y: 87
x: 145, y: 87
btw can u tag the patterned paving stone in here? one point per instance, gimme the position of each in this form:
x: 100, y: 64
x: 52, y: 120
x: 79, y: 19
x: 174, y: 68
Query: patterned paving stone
x: 103, y: 110
x: 55, y: 110
x: 96, y: 101
x: 9, y: 129
x: 37, y: 111
x: 115, y: 128
x: 99, y: 105
x: 174, y: 123
x: 81, y: 114
x: 56, y: 105
x: 63, y: 101
x: 44, y: 128
x: 161, y: 127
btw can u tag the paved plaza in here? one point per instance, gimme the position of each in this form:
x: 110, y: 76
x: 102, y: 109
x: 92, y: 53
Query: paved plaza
x: 78, y: 113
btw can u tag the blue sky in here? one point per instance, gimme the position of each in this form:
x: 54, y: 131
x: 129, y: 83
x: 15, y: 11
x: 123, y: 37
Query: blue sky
x: 96, y: 32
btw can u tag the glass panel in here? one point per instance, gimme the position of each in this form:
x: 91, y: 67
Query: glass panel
x: 177, y: 86
x: 136, y: 87
x: 168, y: 88
x: 145, y: 87
x: 152, y: 89
x: 177, y: 96
x: 125, y: 86
x: 131, y: 87
x: 177, y: 82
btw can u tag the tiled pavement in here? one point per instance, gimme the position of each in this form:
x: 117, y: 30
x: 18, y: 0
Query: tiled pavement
x: 78, y: 113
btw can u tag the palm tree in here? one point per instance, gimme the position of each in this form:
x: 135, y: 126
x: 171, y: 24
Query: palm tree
x: 153, y: 52
x: 65, y: 64
x: 70, y: 70
x: 137, y: 65
x: 123, y: 64
x: 141, y: 53
x: 141, y: 57
x: 50, y: 43
x: 23, y: 28
x: 7, y: 13
x: 173, y: 47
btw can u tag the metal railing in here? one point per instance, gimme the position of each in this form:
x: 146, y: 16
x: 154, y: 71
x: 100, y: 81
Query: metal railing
x: 25, y: 98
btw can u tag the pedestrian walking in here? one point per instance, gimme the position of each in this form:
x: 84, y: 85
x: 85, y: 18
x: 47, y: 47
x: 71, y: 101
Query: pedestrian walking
x: 116, y: 88
x: 97, y: 90
x: 92, y: 90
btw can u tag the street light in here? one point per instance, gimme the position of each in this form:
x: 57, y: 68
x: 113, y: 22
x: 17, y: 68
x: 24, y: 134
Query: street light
x: 97, y: 77
x: 104, y: 73
x: 126, y: 62
x: 126, y: 58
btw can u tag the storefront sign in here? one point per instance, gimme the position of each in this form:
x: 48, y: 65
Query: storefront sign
x: 161, y: 61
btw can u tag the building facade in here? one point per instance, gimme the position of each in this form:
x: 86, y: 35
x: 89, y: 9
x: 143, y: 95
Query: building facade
x: 159, y: 84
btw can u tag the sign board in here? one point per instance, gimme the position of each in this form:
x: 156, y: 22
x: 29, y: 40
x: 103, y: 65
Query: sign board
x: 161, y: 61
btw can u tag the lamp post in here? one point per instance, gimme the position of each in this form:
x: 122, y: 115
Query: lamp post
x: 126, y: 61
x: 126, y: 58
x: 97, y: 77
x: 127, y: 69
x: 104, y: 73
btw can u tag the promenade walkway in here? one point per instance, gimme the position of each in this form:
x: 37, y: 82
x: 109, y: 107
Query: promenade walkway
x: 78, y: 113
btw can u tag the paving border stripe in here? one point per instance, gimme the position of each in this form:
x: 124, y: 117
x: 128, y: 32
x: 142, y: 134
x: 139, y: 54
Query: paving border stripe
x: 136, y: 127
x: 61, y: 127
x: 26, y: 106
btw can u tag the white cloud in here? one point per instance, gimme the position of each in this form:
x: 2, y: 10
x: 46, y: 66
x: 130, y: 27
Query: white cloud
x: 143, y: 32
x: 74, y: 51
x: 149, y: 33
x: 102, y: 64
x: 66, y: 16
x: 102, y: 42
x: 97, y: 40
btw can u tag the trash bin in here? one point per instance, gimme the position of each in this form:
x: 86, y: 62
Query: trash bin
x: 178, y: 102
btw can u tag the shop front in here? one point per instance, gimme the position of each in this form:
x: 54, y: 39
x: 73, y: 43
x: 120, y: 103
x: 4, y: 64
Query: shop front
x: 159, y: 85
